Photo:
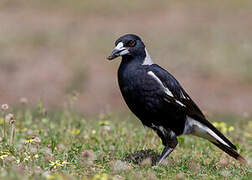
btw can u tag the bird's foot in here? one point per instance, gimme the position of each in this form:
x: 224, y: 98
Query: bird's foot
x: 165, y: 153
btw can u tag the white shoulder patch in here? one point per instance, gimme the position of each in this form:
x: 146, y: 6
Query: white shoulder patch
x: 183, y: 96
x: 167, y: 91
x: 180, y: 103
x: 147, y: 59
x: 198, y: 129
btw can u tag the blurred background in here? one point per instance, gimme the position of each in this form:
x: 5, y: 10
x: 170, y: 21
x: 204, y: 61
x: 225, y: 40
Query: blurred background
x: 50, y: 49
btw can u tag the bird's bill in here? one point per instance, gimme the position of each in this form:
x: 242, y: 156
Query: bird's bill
x: 119, y: 50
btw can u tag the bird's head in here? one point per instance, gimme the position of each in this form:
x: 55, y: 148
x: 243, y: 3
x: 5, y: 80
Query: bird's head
x: 128, y: 45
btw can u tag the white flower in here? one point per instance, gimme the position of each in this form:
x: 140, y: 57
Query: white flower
x: 4, y: 107
x: 106, y: 128
x: 37, y: 140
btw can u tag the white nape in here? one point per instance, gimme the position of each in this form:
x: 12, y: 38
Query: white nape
x: 147, y: 59
x: 167, y: 91
x: 198, y: 129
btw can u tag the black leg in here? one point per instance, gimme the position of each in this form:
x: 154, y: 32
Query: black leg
x: 167, y: 150
x: 169, y: 140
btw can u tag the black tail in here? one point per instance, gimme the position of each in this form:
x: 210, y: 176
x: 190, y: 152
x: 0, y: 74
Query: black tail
x: 230, y: 151
x: 208, y: 131
x: 217, y: 132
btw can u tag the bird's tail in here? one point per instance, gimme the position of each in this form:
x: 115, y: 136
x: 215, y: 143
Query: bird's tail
x: 224, y: 144
x: 230, y: 151
x: 209, y: 132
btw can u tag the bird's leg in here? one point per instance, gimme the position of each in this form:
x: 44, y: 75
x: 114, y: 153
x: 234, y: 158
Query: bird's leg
x: 165, y: 153
x: 170, y: 141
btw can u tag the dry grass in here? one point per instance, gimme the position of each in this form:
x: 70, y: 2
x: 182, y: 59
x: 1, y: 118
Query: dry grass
x: 65, y: 144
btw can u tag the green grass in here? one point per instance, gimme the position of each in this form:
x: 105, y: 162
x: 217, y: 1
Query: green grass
x: 75, y: 146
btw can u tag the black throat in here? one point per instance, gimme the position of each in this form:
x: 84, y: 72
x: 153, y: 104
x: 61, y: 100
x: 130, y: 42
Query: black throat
x: 135, y: 59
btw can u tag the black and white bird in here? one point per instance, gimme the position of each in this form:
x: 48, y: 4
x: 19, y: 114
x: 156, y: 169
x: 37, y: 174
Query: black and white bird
x: 159, y: 101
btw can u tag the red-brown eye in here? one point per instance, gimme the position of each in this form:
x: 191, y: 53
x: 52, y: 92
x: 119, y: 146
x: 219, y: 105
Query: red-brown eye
x: 132, y: 43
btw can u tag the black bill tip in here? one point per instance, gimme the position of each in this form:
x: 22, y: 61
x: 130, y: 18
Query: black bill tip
x: 112, y: 56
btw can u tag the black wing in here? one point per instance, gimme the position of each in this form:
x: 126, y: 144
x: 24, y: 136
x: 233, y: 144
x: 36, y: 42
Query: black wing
x: 178, y: 92
x: 180, y: 96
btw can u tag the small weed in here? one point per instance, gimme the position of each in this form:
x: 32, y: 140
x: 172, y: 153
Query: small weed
x: 64, y: 144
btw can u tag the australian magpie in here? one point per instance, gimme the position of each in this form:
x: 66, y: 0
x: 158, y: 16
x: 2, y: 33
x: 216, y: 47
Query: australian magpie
x: 159, y: 101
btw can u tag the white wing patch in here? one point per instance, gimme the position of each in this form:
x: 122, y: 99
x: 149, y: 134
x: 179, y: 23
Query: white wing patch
x: 198, y: 129
x: 147, y: 59
x: 180, y: 103
x: 183, y: 96
x: 167, y: 91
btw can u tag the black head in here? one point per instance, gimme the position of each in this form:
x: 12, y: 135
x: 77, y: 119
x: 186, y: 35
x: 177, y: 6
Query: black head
x: 128, y: 45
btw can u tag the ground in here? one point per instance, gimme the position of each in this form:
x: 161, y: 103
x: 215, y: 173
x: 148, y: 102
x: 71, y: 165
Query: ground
x: 67, y: 145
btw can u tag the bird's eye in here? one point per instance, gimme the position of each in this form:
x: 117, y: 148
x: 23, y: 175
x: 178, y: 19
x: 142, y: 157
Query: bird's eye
x: 132, y: 43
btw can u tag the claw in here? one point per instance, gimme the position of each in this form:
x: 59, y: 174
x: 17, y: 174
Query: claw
x: 165, y: 153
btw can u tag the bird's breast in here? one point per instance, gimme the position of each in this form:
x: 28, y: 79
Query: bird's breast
x: 138, y: 91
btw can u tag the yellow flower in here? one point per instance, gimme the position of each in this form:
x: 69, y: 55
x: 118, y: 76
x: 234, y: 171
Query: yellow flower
x: 58, y: 163
x: 55, y: 164
x: 85, y: 178
x: 4, y: 154
x: 217, y: 124
x: 75, y: 131
x: 38, y: 131
x: 27, y: 158
x: 250, y: 124
x: 23, y: 130
x: 223, y: 127
x: 230, y: 128
x: 36, y: 156
x: 28, y: 141
x: 104, y: 123
x: 102, y: 176
x: 93, y: 131
x: 248, y: 135
x: 32, y: 140
x: 53, y: 176
x: 64, y: 162
x: 1, y: 120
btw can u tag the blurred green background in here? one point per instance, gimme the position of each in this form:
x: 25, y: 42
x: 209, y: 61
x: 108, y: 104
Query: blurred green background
x: 49, y: 49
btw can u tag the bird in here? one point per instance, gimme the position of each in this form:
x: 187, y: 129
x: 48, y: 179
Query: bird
x: 159, y: 101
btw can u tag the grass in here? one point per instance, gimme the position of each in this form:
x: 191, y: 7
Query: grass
x: 67, y: 145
